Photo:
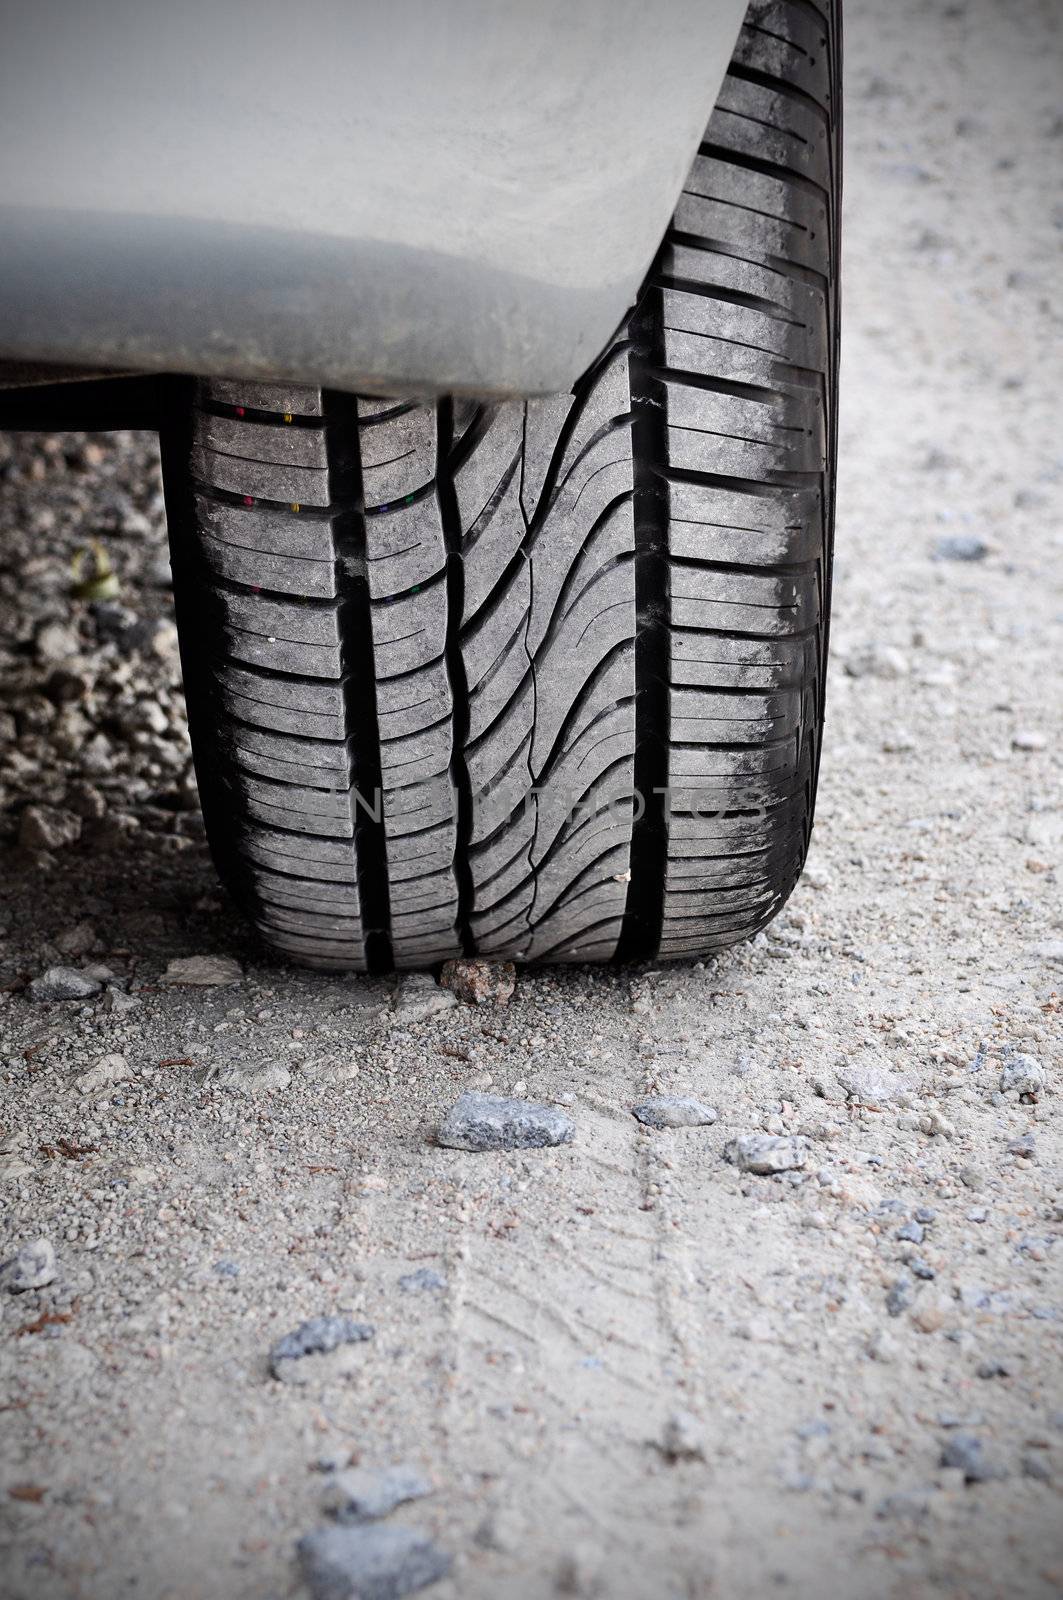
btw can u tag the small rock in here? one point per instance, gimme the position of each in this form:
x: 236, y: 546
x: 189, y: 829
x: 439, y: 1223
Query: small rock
x: 108, y: 1071
x: 1050, y: 950
x: 203, y: 971
x: 319, y: 1336
x: 960, y: 547
x: 490, y: 1122
x: 1025, y: 1146
x: 910, y: 1233
x: 872, y: 1086
x: 1028, y: 739
x: 899, y: 1296
x: 674, y: 1111
x: 265, y: 1079
x: 877, y: 661
x: 766, y: 1153
x: 32, y: 1268
x: 683, y: 1438
x: 966, y: 1452
x: 13, y: 1167
x: 361, y: 1495
x: 369, y: 1563
x: 55, y: 642
x: 63, y: 983
x: 972, y: 1178
x: 416, y: 997
x: 1022, y: 1075
x: 424, y: 1281
x: 1036, y: 1467
x: 480, y: 982
x: 921, y: 1269
x: 77, y: 940
x: 48, y: 828
x: 994, y: 1368
x: 930, y: 1315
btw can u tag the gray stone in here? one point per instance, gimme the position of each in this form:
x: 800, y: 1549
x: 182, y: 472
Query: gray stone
x: 316, y: 1337
x: 1025, y: 1146
x: 48, y: 828
x: 767, y: 1153
x: 993, y: 1369
x: 877, y: 661
x: 63, y: 983
x: 359, y: 1494
x: 203, y: 971
x: 960, y: 547
x: 1022, y: 1075
x: 873, y: 1086
x: 417, y: 996
x: 369, y: 1563
x: 32, y: 1268
x: 426, y: 1280
x: 108, y: 1071
x: 966, y: 1452
x: 266, y: 1078
x: 683, y: 1438
x: 910, y: 1232
x: 1036, y: 1467
x: 899, y: 1296
x: 674, y: 1111
x: 491, y: 1122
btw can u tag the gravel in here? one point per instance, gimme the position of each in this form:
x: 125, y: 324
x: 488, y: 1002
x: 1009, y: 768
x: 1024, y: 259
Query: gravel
x: 491, y: 1122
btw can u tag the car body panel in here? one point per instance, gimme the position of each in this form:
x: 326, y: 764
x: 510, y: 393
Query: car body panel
x: 428, y: 195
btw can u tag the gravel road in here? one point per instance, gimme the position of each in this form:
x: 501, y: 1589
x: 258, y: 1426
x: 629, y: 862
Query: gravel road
x: 634, y: 1364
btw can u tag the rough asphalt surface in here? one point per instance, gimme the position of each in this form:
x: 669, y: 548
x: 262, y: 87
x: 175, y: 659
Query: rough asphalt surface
x: 811, y: 1348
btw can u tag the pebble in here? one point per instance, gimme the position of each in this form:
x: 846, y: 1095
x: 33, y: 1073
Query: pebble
x: 490, y: 1122
x: 264, y: 1079
x: 63, y: 983
x: 966, y: 1452
x: 1029, y: 739
x: 108, y: 1071
x: 1025, y: 1146
x: 873, y: 1086
x: 911, y: 1232
x: 369, y: 1563
x: 994, y: 1368
x: 203, y: 971
x: 899, y: 1296
x: 417, y: 996
x: 877, y: 661
x: 426, y: 1280
x: 766, y: 1153
x: 48, y: 828
x: 1036, y: 1467
x: 34, y: 1267
x: 480, y: 983
x: 960, y: 547
x: 359, y: 1494
x: 683, y: 1438
x: 674, y: 1111
x: 319, y: 1336
x: 1022, y: 1075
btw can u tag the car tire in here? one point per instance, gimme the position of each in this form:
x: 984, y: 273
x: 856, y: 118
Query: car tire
x: 541, y: 679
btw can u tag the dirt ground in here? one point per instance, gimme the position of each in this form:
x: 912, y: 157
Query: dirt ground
x: 631, y: 1369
